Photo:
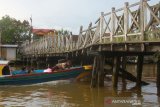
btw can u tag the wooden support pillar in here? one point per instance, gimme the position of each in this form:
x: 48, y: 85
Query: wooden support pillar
x: 116, y: 71
x: 31, y: 62
x: 101, y: 60
x: 124, y: 63
x: 81, y: 61
x: 139, y: 70
x: 23, y: 61
x: 47, y: 64
x: 27, y: 61
x: 37, y: 64
x: 158, y: 77
x: 84, y: 59
x: 94, y: 73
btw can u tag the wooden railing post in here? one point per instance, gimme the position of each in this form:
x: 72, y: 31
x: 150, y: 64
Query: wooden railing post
x: 87, y: 35
x: 71, y: 41
x: 142, y: 19
x: 112, y: 24
x: 126, y: 20
x: 101, y: 26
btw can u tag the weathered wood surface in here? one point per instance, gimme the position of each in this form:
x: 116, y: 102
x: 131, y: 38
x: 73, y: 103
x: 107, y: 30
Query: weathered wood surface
x: 98, y: 72
x: 134, y: 27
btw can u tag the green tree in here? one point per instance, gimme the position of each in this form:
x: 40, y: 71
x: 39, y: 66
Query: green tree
x: 63, y: 32
x: 14, y: 31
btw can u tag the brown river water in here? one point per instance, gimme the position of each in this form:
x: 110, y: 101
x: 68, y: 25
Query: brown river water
x: 70, y: 93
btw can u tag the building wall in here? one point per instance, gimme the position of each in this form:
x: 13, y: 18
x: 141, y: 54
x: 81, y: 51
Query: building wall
x: 3, y: 53
x: 8, y: 53
x: 11, y: 54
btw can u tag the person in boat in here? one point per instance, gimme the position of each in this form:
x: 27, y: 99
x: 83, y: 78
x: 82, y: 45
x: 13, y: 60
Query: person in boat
x: 6, y: 70
x: 30, y: 71
x: 68, y: 63
x: 62, y: 66
x: 23, y: 70
x: 48, y: 69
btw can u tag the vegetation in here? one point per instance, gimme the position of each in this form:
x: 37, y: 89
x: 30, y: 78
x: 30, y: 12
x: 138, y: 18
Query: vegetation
x: 14, y: 31
x: 63, y: 32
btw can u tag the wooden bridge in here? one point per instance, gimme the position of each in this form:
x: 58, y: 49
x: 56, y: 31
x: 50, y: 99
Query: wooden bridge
x: 131, y: 30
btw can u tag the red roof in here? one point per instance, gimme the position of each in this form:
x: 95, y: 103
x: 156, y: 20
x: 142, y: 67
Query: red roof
x: 42, y: 31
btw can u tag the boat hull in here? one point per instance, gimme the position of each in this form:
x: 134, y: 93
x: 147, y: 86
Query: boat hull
x: 26, y: 79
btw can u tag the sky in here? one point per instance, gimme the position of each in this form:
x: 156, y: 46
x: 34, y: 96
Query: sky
x: 58, y: 14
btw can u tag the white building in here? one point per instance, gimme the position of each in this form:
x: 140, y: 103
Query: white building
x: 8, y: 52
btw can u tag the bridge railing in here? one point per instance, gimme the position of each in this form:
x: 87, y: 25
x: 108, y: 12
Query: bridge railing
x: 137, y: 22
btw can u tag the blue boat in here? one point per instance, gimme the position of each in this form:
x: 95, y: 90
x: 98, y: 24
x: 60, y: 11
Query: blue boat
x: 38, y: 76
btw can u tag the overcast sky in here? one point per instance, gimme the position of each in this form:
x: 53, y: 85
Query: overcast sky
x: 57, y: 14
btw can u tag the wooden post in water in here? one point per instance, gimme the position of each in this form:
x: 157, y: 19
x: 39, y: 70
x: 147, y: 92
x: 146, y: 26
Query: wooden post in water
x: 158, y: 77
x: 47, y: 64
x: 23, y: 61
x: 31, y: 62
x: 139, y: 70
x: 124, y: 63
x: 94, y: 73
x: 27, y: 61
x: 101, y: 60
x: 116, y: 71
x: 37, y: 65
x: 83, y: 60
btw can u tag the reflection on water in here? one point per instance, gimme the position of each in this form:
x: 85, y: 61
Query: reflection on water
x: 68, y: 93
